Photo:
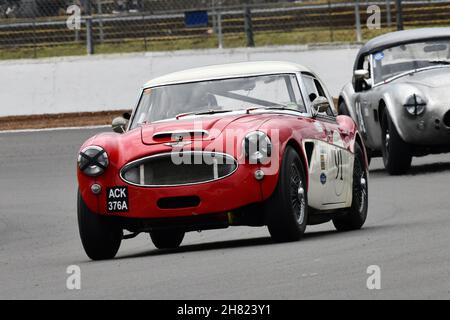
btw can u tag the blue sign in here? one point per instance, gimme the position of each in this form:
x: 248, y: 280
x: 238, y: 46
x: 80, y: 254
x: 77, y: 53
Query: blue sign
x: 379, y: 56
x: 323, y: 178
x: 194, y: 19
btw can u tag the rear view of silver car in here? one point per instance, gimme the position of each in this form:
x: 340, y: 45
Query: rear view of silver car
x: 400, y: 96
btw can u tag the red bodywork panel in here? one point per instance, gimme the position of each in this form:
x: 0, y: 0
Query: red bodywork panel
x: 235, y: 191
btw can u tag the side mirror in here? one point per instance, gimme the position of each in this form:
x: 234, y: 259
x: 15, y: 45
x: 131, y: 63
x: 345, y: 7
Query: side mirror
x: 119, y: 124
x: 320, y: 105
x: 361, y: 74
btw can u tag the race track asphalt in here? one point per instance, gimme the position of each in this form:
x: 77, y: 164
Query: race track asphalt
x: 407, y: 235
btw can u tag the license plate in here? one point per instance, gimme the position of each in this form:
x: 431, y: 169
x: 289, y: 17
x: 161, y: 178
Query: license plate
x: 117, y: 200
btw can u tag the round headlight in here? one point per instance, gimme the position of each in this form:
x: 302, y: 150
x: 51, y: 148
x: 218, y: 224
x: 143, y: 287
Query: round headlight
x: 93, y: 161
x: 415, y: 105
x: 257, y: 147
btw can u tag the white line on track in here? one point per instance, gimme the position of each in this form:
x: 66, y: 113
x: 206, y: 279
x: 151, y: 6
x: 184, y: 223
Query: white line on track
x: 54, y: 129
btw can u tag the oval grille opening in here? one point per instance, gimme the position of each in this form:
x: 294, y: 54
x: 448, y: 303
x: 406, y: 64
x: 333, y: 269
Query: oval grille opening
x: 447, y: 119
x: 177, y: 169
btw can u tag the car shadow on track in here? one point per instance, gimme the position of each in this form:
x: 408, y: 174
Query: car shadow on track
x: 230, y: 244
x: 417, y: 170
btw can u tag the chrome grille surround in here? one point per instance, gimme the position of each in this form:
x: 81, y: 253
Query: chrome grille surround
x: 148, y: 171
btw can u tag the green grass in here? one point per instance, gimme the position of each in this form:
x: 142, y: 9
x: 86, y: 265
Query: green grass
x: 292, y: 37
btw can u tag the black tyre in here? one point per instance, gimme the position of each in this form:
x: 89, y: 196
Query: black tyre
x: 167, y: 239
x: 101, y: 237
x: 355, y: 218
x: 287, y: 209
x: 397, y: 156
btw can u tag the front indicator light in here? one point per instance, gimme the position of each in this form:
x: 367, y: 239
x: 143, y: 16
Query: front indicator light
x: 259, y: 175
x: 96, y: 189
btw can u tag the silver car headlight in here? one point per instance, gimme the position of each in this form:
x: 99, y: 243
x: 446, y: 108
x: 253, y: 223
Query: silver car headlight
x: 93, y: 161
x: 257, y: 147
x: 415, y: 105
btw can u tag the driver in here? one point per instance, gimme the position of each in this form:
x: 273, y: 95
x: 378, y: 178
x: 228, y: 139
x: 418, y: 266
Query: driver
x: 192, y: 98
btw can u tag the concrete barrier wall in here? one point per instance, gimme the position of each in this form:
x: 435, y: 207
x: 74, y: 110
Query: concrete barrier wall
x: 97, y: 83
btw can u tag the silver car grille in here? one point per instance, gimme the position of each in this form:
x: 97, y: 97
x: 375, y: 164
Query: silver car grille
x: 178, y: 169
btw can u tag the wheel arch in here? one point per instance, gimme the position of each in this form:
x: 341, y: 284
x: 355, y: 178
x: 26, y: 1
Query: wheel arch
x: 347, y: 96
x: 359, y: 141
x: 388, y: 103
x: 301, y: 152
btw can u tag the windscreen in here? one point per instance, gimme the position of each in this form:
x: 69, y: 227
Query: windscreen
x: 409, y: 57
x: 170, y: 101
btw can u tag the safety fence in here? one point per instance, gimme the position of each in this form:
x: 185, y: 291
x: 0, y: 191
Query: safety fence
x: 41, y: 28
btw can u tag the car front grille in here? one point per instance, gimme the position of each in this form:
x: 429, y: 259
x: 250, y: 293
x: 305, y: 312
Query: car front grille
x: 178, y: 169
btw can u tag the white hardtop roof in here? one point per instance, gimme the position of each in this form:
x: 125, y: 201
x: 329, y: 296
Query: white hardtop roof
x: 234, y: 70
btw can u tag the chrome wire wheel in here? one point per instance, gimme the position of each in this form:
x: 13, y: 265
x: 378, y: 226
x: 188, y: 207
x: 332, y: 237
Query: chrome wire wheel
x: 286, y: 211
x: 387, y: 140
x: 386, y: 137
x: 360, y: 187
x: 298, y: 199
x: 355, y: 216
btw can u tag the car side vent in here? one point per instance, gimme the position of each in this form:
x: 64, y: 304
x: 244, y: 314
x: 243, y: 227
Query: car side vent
x: 309, y: 148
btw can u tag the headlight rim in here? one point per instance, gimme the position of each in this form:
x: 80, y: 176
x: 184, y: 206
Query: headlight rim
x: 418, y: 103
x: 93, y: 161
x: 245, y: 150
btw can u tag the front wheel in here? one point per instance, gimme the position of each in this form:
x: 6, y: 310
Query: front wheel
x: 287, y: 209
x: 100, y: 236
x: 397, y: 156
x: 167, y: 239
x: 355, y: 218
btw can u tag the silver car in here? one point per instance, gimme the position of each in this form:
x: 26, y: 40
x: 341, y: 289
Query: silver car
x: 400, y: 96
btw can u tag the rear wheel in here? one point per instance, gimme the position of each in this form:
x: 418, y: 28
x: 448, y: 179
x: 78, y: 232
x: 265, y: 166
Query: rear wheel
x: 397, y: 156
x: 100, y: 236
x: 287, y: 208
x: 167, y: 239
x: 355, y: 218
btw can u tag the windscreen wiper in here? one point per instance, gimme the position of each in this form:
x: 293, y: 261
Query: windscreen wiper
x: 201, y: 113
x: 277, y: 107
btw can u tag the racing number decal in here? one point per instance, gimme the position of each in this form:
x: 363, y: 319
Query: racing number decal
x: 117, y: 199
x: 340, y: 178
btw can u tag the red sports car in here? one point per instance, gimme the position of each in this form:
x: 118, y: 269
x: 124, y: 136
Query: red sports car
x: 254, y: 144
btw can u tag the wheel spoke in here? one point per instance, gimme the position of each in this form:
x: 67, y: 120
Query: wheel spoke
x: 360, y: 185
x: 297, y: 194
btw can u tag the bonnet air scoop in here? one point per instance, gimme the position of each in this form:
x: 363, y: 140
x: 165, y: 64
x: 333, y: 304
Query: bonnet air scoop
x: 177, y: 135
